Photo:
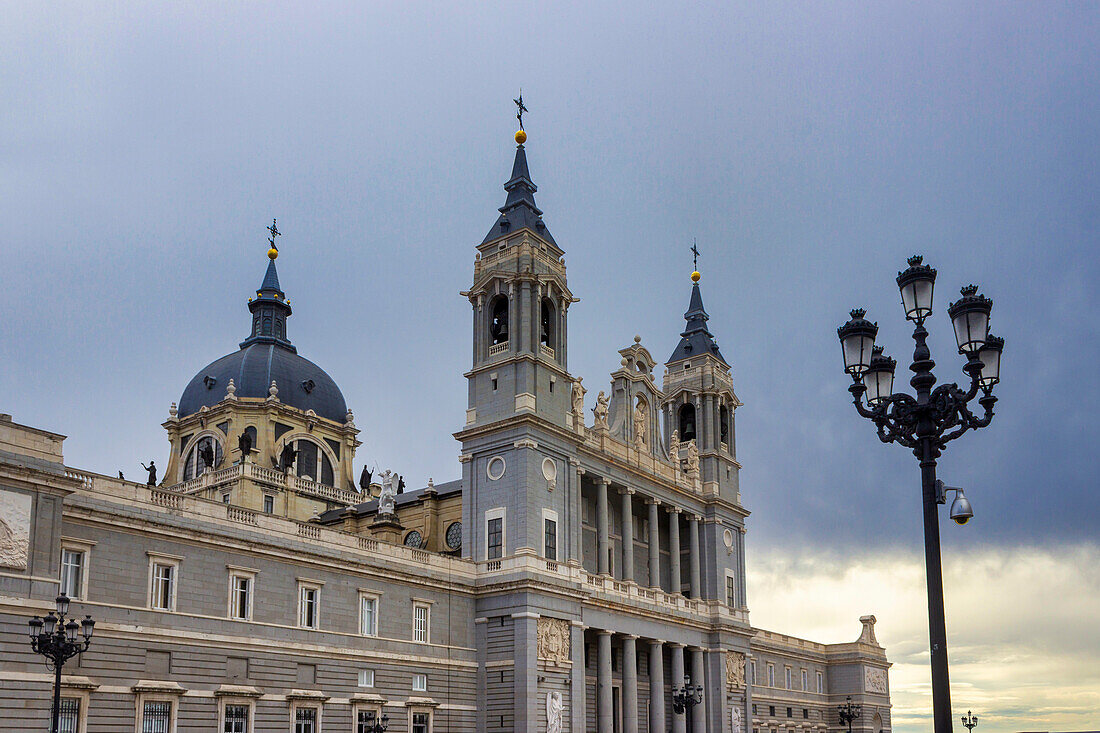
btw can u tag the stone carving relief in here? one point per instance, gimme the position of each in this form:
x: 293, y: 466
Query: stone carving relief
x: 875, y: 680
x: 735, y: 669
x: 15, y: 529
x: 554, y: 707
x: 553, y: 639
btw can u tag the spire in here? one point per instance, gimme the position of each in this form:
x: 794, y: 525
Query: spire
x: 270, y: 308
x: 696, y: 339
x: 519, y: 210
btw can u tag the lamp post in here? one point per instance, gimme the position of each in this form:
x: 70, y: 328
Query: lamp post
x: 927, y: 422
x: 686, y: 697
x: 970, y: 721
x: 848, y: 712
x: 56, y: 639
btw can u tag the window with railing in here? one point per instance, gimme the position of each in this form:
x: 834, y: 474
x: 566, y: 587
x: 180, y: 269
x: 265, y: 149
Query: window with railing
x: 236, y: 719
x: 305, y: 720
x: 421, y: 619
x: 156, y: 716
x: 69, y: 720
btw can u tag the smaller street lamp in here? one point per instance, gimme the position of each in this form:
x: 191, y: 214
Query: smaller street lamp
x: 56, y: 639
x: 970, y: 721
x: 686, y: 697
x: 849, y: 712
x: 374, y: 724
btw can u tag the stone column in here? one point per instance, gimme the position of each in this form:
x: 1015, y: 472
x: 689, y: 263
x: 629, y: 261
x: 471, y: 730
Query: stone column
x: 699, y: 712
x: 602, y: 549
x: 654, y: 544
x: 574, y: 513
x: 628, y: 534
x: 579, y: 688
x: 656, y: 687
x: 693, y: 554
x: 604, y: 716
x: 674, y: 548
x: 679, y: 722
x: 630, y: 684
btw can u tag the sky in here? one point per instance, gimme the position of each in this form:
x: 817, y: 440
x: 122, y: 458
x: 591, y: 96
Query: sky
x: 808, y: 148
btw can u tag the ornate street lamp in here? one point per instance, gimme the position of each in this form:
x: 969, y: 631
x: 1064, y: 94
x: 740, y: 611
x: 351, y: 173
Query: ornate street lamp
x: 56, y: 639
x: 374, y: 724
x: 925, y: 423
x: 970, y: 721
x: 848, y: 712
x: 686, y: 697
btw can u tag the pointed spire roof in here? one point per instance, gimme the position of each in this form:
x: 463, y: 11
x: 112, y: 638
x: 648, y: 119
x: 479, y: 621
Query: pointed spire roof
x: 519, y: 210
x: 271, y: 279
x: 270, y: 309
x: 696, y: 339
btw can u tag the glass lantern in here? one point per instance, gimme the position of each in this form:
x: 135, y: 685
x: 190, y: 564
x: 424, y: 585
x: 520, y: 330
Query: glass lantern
x: 857, y: 338
x: 970, y: 317
x: 916, y: 285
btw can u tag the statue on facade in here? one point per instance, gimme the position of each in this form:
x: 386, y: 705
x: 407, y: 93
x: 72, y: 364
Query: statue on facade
x: 735, y: 718
x: 674, y: 448
x: 639, y: 426
x: 244, y: 442
x: 400, y: 484
x: 287, y: 457
x: 364, y: 480
x: 578, y: 403
x: 387, y: 498
x: 600, y: 410
x: 152, y: 469
x: 121, y: 476
x: 206, y: 453
x: 693, y: 458
x: 554, y: 707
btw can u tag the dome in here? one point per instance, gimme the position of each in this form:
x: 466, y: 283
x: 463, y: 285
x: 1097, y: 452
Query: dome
x: 265, y: 356
x: 302, y: 384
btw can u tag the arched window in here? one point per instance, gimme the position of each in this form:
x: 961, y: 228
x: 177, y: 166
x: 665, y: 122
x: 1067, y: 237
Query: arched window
x: 498, y: 320
x: 194, y: 465
x: 546, y: 333
x: 313, y: 463
x: 724, y: 425
x: 687, y: 422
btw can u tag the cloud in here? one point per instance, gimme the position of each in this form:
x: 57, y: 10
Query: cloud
x: 1023, y: 636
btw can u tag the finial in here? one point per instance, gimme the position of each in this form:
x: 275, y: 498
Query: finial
x: 915, y: 260
x: 876, y: 351
x: 173, y: 411
x: 274, y: 230
x: 969, y: 290
x: 695, y: 276
x: 637, y: 339
x: 231, y: 390
x: 520, y: 109
x: 857, y: 313
x: 273, y: 390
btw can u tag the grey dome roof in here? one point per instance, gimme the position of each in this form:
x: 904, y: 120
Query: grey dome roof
x: 301, y: 383
x: 265, y: 356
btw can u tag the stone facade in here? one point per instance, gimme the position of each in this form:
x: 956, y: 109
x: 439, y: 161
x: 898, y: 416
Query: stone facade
x: 579, y: 570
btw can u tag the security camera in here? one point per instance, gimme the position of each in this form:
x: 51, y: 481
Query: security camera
x: 961, y: 512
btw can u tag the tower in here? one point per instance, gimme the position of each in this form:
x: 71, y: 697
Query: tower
x: 700, y: 402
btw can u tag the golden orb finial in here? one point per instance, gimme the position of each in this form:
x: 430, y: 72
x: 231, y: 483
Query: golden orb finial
x: 695, y: 276
x: 521, y: 137
x: 273, y: 253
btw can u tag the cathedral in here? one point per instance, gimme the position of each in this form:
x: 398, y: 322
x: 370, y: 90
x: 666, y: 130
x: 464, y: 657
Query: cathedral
x: 584, y: 570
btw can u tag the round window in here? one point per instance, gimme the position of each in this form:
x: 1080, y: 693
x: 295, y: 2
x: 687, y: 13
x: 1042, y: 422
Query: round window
x: 454, y: 535
x: 414, y: 539
x: 495, y: 468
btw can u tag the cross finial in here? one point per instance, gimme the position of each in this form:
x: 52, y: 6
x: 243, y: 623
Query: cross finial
x: 694, y: 254
x: 274, y: 230
x: 520, y: 109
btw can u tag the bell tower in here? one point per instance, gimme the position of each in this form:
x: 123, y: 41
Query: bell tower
x: 700, y: 403
x: 520, y: 303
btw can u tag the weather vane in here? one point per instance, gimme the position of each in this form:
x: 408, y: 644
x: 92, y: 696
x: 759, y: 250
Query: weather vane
x: 694, y: 254
x: 520, y: 109
x: 274, y: 233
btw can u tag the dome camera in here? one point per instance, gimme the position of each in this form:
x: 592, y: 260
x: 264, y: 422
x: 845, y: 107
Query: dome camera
x: 961, y: 511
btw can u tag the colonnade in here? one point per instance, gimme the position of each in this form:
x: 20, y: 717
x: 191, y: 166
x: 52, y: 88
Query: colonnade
x: 682, y: 659
x: 655, y: 512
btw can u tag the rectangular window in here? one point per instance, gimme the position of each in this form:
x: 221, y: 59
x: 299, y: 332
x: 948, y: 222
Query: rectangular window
x: 495, y: 539
x: 754, y: 671
x: 240, y: 597
x: 805, y: 714
x: 269, y: 504
x: 72, y: 573
x: 156, y: 716
x: 309, y: 602
x: 420, y: 683
x: 421, y: 617
x: 804, y: 686
x: 731, y: 591
x: 550, y: 541
x: 305, y: 720
x: 368, y: 615
x: 820, y: 684
x: 69, y: 722
x: 421, y: 722
x: 771, y: 675
x: 236, y: 719
x: 366, y: 678
x: 771, y: 710
x: 225, y: 498
x: 789, y: 715
x: 164, y: 586
x: 787, y: 677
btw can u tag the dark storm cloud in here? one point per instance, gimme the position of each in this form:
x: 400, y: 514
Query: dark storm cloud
x: 808, y: 148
